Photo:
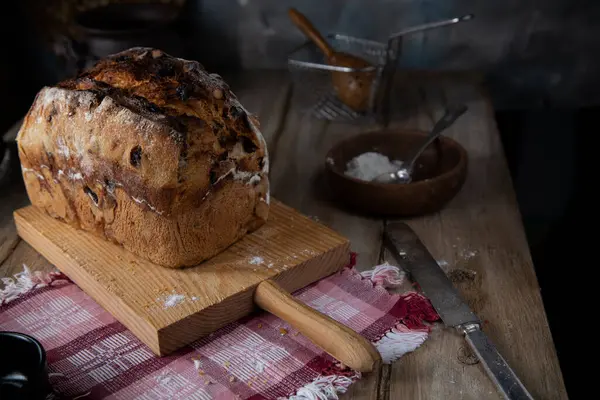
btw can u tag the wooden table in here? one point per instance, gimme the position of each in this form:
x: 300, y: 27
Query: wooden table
x: 479, y: 232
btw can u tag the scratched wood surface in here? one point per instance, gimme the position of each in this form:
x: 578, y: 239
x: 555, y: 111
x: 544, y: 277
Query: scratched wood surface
x: 478, y: 237
x: 480, y: 243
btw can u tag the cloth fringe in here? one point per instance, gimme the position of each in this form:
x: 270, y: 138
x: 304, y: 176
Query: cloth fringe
x: 419, y: 310
x: 399, y: 341
x: 404, y: 338
x: 385, y: 275
x: 26, y: 281
x: 324, y: 388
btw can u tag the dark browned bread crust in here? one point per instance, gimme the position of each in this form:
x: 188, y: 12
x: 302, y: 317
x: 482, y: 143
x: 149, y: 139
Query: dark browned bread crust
x: 151, y: 152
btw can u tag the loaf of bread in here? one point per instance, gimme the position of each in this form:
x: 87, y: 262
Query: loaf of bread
x: 151, y: 152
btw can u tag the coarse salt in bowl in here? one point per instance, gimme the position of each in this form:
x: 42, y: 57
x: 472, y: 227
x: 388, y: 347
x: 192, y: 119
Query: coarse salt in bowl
x: 438, y: 175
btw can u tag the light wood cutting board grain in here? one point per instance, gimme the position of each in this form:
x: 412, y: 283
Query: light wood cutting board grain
x: 168, y: 308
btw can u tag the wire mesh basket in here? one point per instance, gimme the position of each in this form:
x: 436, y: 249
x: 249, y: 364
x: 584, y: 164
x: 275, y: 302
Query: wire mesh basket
x: 312, y: 74
x: 312, y: 77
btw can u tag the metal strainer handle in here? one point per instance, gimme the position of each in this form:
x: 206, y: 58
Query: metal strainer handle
x: 431, y: 25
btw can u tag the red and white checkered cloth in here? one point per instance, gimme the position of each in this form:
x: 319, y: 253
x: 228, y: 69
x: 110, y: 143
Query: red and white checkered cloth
x: 93, y: 356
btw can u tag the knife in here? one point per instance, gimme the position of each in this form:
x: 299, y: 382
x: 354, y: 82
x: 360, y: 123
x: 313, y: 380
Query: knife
x: 414, y: 257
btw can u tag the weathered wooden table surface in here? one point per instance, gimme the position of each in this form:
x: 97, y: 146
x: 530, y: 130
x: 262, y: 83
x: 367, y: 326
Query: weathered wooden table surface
x: 480, y: 232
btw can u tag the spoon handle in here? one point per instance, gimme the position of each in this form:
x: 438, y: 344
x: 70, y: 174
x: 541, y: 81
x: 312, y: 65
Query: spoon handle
x: 309, y: 30
x: 451, y: 115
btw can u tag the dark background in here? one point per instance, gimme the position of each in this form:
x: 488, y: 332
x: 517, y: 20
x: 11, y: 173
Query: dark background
x: 539, y: 58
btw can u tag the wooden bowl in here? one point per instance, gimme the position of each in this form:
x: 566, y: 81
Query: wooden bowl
x: 439, y: 174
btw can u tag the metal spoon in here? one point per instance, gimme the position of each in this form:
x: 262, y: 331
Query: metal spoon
x: 404, y: 174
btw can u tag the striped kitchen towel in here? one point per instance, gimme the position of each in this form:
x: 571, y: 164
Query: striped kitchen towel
x: 93, y: 356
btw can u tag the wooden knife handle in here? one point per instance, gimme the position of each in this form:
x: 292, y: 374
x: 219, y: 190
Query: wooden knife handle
x: 310, y: 31
x: 338, y: 340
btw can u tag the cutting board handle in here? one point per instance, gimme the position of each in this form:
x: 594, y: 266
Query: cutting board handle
x: 338, y: 340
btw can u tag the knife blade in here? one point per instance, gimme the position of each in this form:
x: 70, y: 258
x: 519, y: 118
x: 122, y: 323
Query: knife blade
x: 415, y: 258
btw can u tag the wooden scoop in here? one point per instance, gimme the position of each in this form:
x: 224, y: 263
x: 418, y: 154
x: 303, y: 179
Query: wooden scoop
x: 352, y: 88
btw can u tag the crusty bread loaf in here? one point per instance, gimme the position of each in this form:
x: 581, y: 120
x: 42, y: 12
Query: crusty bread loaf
x: 151, y: 152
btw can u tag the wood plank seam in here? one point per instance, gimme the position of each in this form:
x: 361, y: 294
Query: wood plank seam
x: 10, y: 250
x: 383, y: 388
x: 280, y: 127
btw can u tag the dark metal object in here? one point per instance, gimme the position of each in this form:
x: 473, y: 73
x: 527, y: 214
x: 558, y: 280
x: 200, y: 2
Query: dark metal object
x: 23, y: 367
x: 414, y: 257
x: 116, y: 27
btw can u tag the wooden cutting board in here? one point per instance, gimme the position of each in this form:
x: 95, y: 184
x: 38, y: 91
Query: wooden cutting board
x: 168, y: 308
